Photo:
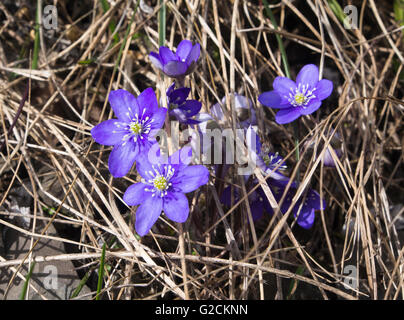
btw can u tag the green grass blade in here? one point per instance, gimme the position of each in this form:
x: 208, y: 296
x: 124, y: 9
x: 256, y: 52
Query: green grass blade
x: 80, y: 286
x: 337, y: 10
x: 101, y: 273
x: 25, y: 287
x: 36, y: 41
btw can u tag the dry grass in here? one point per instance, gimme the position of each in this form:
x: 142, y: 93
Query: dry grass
x: 216, y: 254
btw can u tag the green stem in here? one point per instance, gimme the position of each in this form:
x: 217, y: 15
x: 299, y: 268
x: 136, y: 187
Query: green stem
x: 278, y: 38
x: 36, y: 42
x: 25, y: 287
x: 287, y: 73
x: 101, y: 272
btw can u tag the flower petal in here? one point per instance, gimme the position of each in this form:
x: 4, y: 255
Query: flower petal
x: 191, y: 107
x: 283, y: 86
x: 312, y: 106
x: 308, y: 75
x: 192, y: 121
x: 287, y: 115
x: 179, y: 115
x: 144, y: 163
x: 328, y: 159
x: 225, y: 198
x: 323, y: 89
x: 158, y: 120
x: 181, y: 158
x: 136, y: 194
x: 108, y: 133
x: 217, y: 111
x: 313, y: 200
x: 178, y: 96
x: 175, y: 68
x: 203, y: 118
x: 271, y: 99
x: 122, y: 158
x: 166, y: 55
x: 194, y: 54
x: 156, y: 60
x: 170, y: 89
x: 278, y: 179
x: 190, y: 178
x: 147, y: 100
x: 176, y: 206
x: 124, y: 104
x: 242, y: 102
x: 147, y: 214
x: 183, y: 50
x: 305, y: 218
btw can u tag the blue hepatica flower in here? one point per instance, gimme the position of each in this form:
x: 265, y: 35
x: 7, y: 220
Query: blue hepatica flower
x: 298, y: 98
x: 132, y: 133
x: 181, y: 108
x: 302, y: 211
x: 244, y: 110
x: 178, y: 64
x: 163, y: 187
x: 271, y: 164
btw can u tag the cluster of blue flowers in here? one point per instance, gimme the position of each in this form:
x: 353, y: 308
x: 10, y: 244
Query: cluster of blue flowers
x: 272, y: 164
x: 165, y: 181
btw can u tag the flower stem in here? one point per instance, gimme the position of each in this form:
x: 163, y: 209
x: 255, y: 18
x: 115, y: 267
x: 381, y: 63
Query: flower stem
x: 36, y: 41
x: 287, y: 73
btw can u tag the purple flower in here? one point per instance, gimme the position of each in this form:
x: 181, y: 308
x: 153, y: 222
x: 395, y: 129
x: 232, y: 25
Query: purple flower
x: 163, y: 187
x: 181, y: 63
x: 303, y: 212
x: 328, y: 159
x: 244, y: 110
x: 132, y: 134
x: 257, y: 199
x: 298, y: 98
x: 271, y: 164
x: 181, y: 108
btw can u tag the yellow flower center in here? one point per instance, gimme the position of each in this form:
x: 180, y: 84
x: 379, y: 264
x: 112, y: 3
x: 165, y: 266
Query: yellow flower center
x: 136, y: 127
x: 300, y: 98
x: 160, y: 183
